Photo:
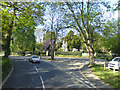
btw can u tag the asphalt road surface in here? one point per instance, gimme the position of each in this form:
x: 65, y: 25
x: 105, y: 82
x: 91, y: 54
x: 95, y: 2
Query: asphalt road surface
x: 42, y: 75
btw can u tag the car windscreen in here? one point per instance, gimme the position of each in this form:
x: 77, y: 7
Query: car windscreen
x: 34, y: 57
x: 116, y: 59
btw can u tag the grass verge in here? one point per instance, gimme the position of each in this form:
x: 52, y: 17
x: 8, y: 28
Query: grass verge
x: 72, y: 56
x: 108, y: 76
x: 6, y: 67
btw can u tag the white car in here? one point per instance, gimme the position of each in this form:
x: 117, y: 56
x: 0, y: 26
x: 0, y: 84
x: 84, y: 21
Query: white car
x: 114, y: 64
x: 34, y: 58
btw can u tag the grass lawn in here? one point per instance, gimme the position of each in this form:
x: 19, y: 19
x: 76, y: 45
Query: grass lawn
x: 6, y: 66
x: 72, y: 56
x: 108, y: 76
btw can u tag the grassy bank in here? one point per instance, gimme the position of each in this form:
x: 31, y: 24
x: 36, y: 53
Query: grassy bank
x: 6, y: 67
x: 108, y: 76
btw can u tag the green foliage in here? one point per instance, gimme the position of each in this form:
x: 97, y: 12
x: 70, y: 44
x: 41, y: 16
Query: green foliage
x: 73, y: 41
x: 111, y: 37
x: 6, y: 65
x: 46, y: 36
x: 18, y: 23
x: 59, y: 46
x: 103, y: 56
x: 39, y: 47
x: 23, y: 36
x: 76, y: 40
x: 98, y: 42
x: 6, y: 18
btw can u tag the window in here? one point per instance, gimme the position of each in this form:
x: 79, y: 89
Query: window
x: 34, y: 57
x: 116, y: 59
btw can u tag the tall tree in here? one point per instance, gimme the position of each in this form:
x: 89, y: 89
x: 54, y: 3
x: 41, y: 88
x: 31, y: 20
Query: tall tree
x: 54, y: 23
x: 16, y: 10
x: 87, y: 18
x: 111, y: 40
x: 76, y: 41
x: 23, y: 38
x: 73, y: 41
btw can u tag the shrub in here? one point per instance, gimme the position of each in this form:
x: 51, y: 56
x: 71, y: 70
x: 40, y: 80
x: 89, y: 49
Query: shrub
x: 103, y: 56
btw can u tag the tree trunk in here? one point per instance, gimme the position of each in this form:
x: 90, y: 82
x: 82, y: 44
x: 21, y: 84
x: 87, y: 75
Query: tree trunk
x: 91, y: 53
x: 52, y: 55
x: 8, y: 39
x: 7, y: 49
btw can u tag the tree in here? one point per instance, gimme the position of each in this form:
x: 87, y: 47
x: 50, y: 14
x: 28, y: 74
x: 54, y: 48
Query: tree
x: 39, y: 47
x: 76, y: 42
x: 23, y: 38
x: 46, y: 36
x: 111, y: 37
x: 73, y: 41
x: 88, y: 18
x: 54, y: 24
x: 16, y: 10
x: 69, y: 38
x: 98, y: 42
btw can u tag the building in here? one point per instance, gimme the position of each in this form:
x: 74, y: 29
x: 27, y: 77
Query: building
x: 64, y: 46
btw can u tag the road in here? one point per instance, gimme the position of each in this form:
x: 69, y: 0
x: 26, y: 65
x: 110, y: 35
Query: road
x: 45, y: 75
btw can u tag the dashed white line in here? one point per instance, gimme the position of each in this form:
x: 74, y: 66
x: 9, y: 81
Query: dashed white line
x: 40, y: 79
x: 36, y: 69
x: 86, y: 81
x: 70, y: 73
x: 42, y: 83
x: 81, y: 78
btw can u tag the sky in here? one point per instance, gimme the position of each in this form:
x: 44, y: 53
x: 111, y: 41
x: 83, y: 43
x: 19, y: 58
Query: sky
x: 106, y: 14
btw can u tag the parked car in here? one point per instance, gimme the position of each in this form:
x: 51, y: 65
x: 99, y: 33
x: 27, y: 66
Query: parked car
x: 114, y: 64
x: 34, y: 58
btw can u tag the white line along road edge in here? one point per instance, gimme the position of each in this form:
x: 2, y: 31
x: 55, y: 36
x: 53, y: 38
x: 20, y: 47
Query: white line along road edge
x: 7, y: 76
x: 42, y: 83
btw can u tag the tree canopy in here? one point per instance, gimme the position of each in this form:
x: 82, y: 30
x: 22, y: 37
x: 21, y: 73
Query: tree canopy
x: 73, y: 41
x: 18, y: 23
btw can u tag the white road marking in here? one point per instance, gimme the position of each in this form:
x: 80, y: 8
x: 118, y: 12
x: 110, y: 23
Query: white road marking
x: 76, y: 77
x: 40, y: 79
x: 72, y: 75
x: 81, y: 78
x: 86, y: 81
x: 36, y: 69
x: 42, y: 83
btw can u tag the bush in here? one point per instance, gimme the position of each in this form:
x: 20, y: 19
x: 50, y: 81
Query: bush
x: 68, y: 53
x: 43, y: 53
x: 6, y: 64
x: 103, y: 56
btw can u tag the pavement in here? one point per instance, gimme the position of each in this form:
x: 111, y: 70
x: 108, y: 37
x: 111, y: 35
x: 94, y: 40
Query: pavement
x: 93, y: 78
